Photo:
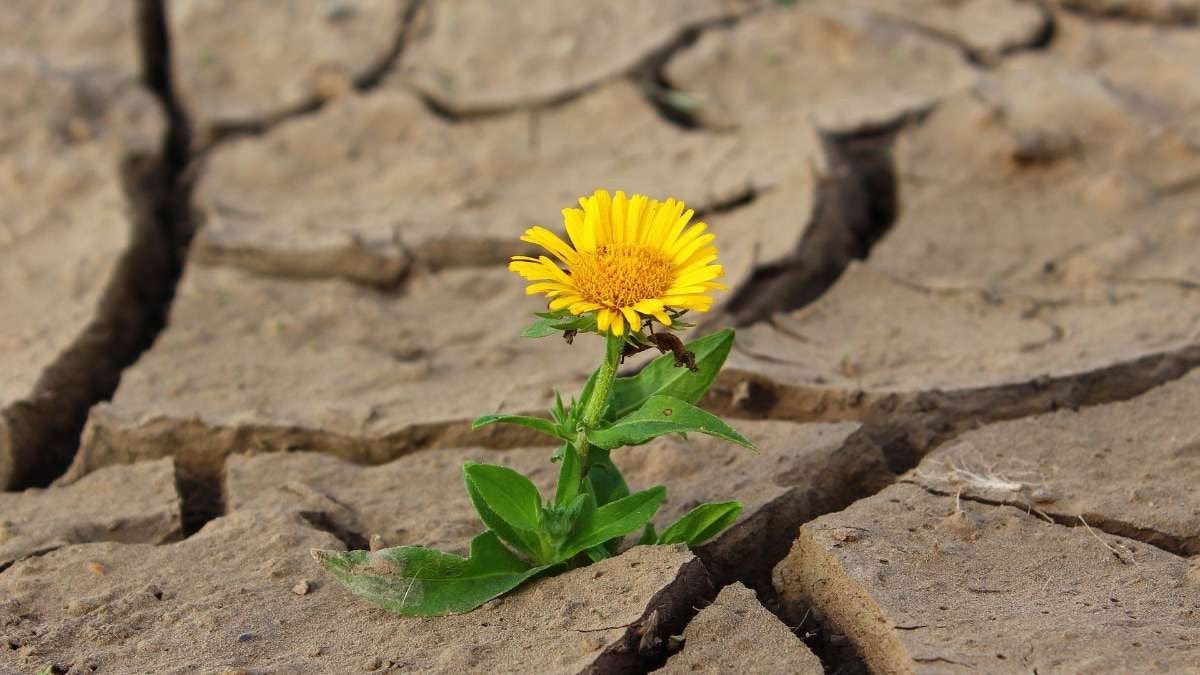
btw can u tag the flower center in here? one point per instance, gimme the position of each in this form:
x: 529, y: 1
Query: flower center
x: 622, y: 275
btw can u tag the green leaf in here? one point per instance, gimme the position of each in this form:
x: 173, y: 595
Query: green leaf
x: 537, y: 423
x: 525, y: 540
x: 661, y: 415
x: 539, y: 329
x: 570, y: 473
x: 662, y: 377
x: 613, y: 520
x: 510, y: 495
x: 420, y: 581
x: 549, y: 323
x: 598, y: 553
x: 604, y: 480
x: 649, y: 536
x: 701, y: 523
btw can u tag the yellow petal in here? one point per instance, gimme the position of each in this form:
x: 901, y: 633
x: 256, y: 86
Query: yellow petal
x: 603, y: 319
x: 618, y: 324
x: 684, y: 240
x: 699, y: 276
x: 604, y: 232
x: 585, y: 306
x: 633, y: 221
x: 551, y: 242
x: 663, y: 221
x: 681, y: 222
x: 687, y: 251
x: 632, y: 317
x: 620, y: 208
x: 565, y: 301
x: 544, y: 286
x: 583, y: 239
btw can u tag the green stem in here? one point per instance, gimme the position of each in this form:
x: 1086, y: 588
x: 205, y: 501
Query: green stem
x: 594, y: 406
x: 604, y: 381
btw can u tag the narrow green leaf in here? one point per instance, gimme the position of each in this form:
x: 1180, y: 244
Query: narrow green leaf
x: 649, y: 536
x: 701, y: 523
x: 419, y: 581
x: 613, y: 520
x: 549, y: 323
x: 598, y: 553
x: 540, y: 328
x: 570, y: 473
x: 662, y: 377
x: 523, y: 539
x: 537, y: 423
x: 661, y: 415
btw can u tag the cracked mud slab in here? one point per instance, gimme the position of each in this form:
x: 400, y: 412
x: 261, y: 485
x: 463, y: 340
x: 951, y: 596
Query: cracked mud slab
x: 562, y: 49
x: 1047, y: 239
x: 72, y: 119
x: 373, y: 186
x: 846, y: 69
x: 803, y: 470
x: 874, y: 341
x: 920, y: 587
x: 251, y: 63
x: 1127, y: 468
x: 224, y: 599
x: 135, y: 504
x: 251, y: 363
x: 1044, y: 178
x: 1163, y: 11
x: 1147, y: 65
x: 97, y: 36
x: 736, y: 634
x: 984, y: 29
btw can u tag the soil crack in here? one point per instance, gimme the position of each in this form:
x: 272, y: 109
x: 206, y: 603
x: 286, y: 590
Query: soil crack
x: 364, y: 82
x: 856, y: 205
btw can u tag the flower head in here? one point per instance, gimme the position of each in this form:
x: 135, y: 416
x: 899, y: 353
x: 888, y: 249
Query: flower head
x: 628, y: 258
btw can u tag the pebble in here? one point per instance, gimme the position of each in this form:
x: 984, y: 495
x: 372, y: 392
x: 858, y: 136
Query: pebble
x: 97, y: 568
x: 373, y: 663
x: 301, y: 587
x: 246, y: 637
x: 313, y: 652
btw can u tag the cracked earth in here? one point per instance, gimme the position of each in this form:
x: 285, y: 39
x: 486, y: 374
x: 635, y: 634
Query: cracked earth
x: 252, y: 287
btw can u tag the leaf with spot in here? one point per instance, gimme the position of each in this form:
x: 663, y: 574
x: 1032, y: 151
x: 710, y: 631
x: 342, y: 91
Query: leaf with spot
x: 661, y: 415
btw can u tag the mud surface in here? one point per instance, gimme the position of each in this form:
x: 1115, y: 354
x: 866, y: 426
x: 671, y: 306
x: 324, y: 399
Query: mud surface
x: 962, y: 240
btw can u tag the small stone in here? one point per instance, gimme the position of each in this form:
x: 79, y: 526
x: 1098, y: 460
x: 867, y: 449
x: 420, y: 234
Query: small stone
x: 313, y: 652
x: 376, y: 542
x: 246, y: 637
x: 301, y: 587
x: 373, y: 663
x: 97, y: 568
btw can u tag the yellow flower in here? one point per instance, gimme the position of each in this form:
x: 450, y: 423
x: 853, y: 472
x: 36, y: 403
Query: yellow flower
x: 628, y: 258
